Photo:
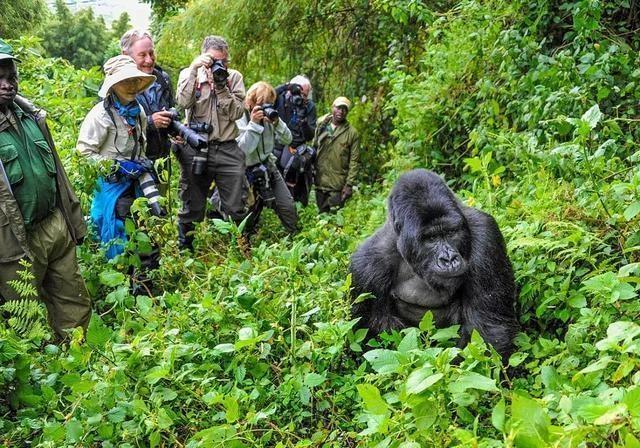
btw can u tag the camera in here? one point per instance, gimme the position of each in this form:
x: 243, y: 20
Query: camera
x: 219, y: 71
x: 259, y: 177
x: 150, y: 191
x: 296, y: 95
x: 189, y: 134
x: 199, y: 164
x: 269, y: 111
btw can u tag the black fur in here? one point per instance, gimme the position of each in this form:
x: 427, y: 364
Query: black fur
x: 434, y: 253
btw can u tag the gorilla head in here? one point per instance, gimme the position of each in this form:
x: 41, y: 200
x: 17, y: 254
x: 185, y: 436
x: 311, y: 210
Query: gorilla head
x: 435, y: 254
x: 433, y: 235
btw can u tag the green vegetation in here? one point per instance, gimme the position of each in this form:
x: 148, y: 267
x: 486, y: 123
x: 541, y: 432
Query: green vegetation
x: 82, y: 38
x: 530, y: 111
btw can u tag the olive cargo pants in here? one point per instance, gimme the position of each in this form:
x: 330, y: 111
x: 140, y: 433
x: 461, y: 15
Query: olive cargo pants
x: 57, y: 275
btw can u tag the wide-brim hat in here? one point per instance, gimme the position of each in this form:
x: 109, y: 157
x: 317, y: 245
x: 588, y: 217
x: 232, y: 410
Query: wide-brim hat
x: 6, y: 52
x: 122, y: 67
x: 342, y: 101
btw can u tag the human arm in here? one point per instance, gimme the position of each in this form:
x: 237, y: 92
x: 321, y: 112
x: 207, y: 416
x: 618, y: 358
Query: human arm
x: 249, y: 135
x: 282, y: 133
x: 231, y: 96
x: 354, y: 161
x: 186, y: 90
x: 93, y: 133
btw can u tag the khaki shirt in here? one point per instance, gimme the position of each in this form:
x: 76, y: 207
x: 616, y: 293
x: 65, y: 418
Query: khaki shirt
x: 208, y: 104
x: 100, y: 139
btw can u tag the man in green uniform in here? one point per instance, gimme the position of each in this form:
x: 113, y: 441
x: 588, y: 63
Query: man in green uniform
x: 40, y: 216
x: 337, y: 160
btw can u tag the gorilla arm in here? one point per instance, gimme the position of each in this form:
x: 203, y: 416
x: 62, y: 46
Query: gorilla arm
x: 374, y: 269
x: 489, y: 293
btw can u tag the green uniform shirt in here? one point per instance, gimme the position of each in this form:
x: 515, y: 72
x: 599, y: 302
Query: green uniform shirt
x: 338, y: 155
x: 29, y: 165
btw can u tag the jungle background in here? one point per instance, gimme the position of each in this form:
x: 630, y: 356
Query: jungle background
x: 528, y: 109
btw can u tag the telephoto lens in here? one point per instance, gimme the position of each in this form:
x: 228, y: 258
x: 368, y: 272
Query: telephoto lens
x: 270, y: 111
x: 150, y: 191
x: 199, y: 163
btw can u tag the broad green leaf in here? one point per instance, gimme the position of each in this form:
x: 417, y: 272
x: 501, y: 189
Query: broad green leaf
x: 632, y: 211
x: 472, y: 380
x: 232, y: 409
x: 371, y: 399
x: 593, y: 116
x: 313, y: 379
x: 382, y: 360
x: 74, y: 431
x: 409, y: 342
x: 530, y: 422
x: 164, y: 420
x: 156, y: 373
x: 444, y: 334
x: 112, y: 278
x: 421, y: 379
x: 498, y: 415
x: 632, y: 400
x: 97, y: 333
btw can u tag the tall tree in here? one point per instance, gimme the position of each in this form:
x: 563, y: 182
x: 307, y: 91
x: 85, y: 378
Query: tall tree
x: 79, y: 38
x: 16, y: 16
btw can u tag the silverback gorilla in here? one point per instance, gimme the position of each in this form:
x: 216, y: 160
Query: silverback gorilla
x: 435, y: 254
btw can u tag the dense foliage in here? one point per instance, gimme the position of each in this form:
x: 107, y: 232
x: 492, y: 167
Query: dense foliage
x: 528, y: 109
x: 82, y: 38
x: 20, y: 15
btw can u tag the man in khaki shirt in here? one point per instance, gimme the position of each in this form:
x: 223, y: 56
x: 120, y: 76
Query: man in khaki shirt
x: 213, y: 95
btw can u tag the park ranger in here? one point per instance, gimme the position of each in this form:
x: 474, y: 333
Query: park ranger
x: 40, y: 216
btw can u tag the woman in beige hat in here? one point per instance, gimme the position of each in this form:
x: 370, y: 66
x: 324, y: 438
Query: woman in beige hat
x: 115, y: 130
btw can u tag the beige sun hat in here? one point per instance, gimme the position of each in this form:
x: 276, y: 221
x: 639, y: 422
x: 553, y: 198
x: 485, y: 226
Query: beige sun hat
x: 122, y: 67
x: 342, y: 101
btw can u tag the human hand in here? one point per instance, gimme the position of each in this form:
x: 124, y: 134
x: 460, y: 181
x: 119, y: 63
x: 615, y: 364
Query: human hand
x: 161, y: 119
x: 257, y: 115
x: 202, y: 60
x: 346, y: 193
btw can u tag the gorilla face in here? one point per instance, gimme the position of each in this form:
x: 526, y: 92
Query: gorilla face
x: 433, y: 235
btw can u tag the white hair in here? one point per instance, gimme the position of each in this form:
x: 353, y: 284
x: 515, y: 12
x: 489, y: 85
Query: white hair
x: 301, y: 80
x: 131, y: 37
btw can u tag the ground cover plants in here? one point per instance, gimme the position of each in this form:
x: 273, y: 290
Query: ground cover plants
x: 529, y: 110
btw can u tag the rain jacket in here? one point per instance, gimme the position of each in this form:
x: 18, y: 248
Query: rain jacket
x: 337, y: 157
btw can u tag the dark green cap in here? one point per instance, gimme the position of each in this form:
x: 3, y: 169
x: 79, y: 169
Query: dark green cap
x: 6, y: 52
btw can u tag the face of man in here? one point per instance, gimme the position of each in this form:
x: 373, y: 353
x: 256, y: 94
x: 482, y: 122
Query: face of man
x: 218, y: 55
x: 143, y: 53
x: 8, y: 83
x: 304, y: 90
x: 339, y: 114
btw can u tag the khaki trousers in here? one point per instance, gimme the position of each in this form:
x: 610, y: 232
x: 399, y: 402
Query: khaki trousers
x: 57, y: 275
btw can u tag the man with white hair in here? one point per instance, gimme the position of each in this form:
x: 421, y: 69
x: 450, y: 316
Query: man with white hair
x: 298, y: 111
x: 158, y: 98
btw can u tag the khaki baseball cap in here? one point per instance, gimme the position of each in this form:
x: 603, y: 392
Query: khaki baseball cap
x: 6, y: 52
x: 342, y: 101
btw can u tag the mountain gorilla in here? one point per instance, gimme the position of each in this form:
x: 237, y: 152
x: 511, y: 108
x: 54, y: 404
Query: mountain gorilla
x: 435, y: 254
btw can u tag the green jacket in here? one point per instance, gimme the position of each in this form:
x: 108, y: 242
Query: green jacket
x: 338, y: 156
x: 13, y: 235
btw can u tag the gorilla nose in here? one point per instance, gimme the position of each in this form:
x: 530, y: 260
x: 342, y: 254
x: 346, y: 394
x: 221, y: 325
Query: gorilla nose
x: 449, y: 261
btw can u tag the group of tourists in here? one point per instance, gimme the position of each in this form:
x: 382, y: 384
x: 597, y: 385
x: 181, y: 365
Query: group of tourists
x: 238, y: 152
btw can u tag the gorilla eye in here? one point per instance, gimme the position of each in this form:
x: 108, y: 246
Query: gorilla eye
x: 397, y: 226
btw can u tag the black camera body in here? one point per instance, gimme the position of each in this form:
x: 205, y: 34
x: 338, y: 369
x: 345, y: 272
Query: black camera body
x: 219, y: 71
x: 270, y: 111
x: 188, y: 133
x: 259, y: 177
x: 296, y: 95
